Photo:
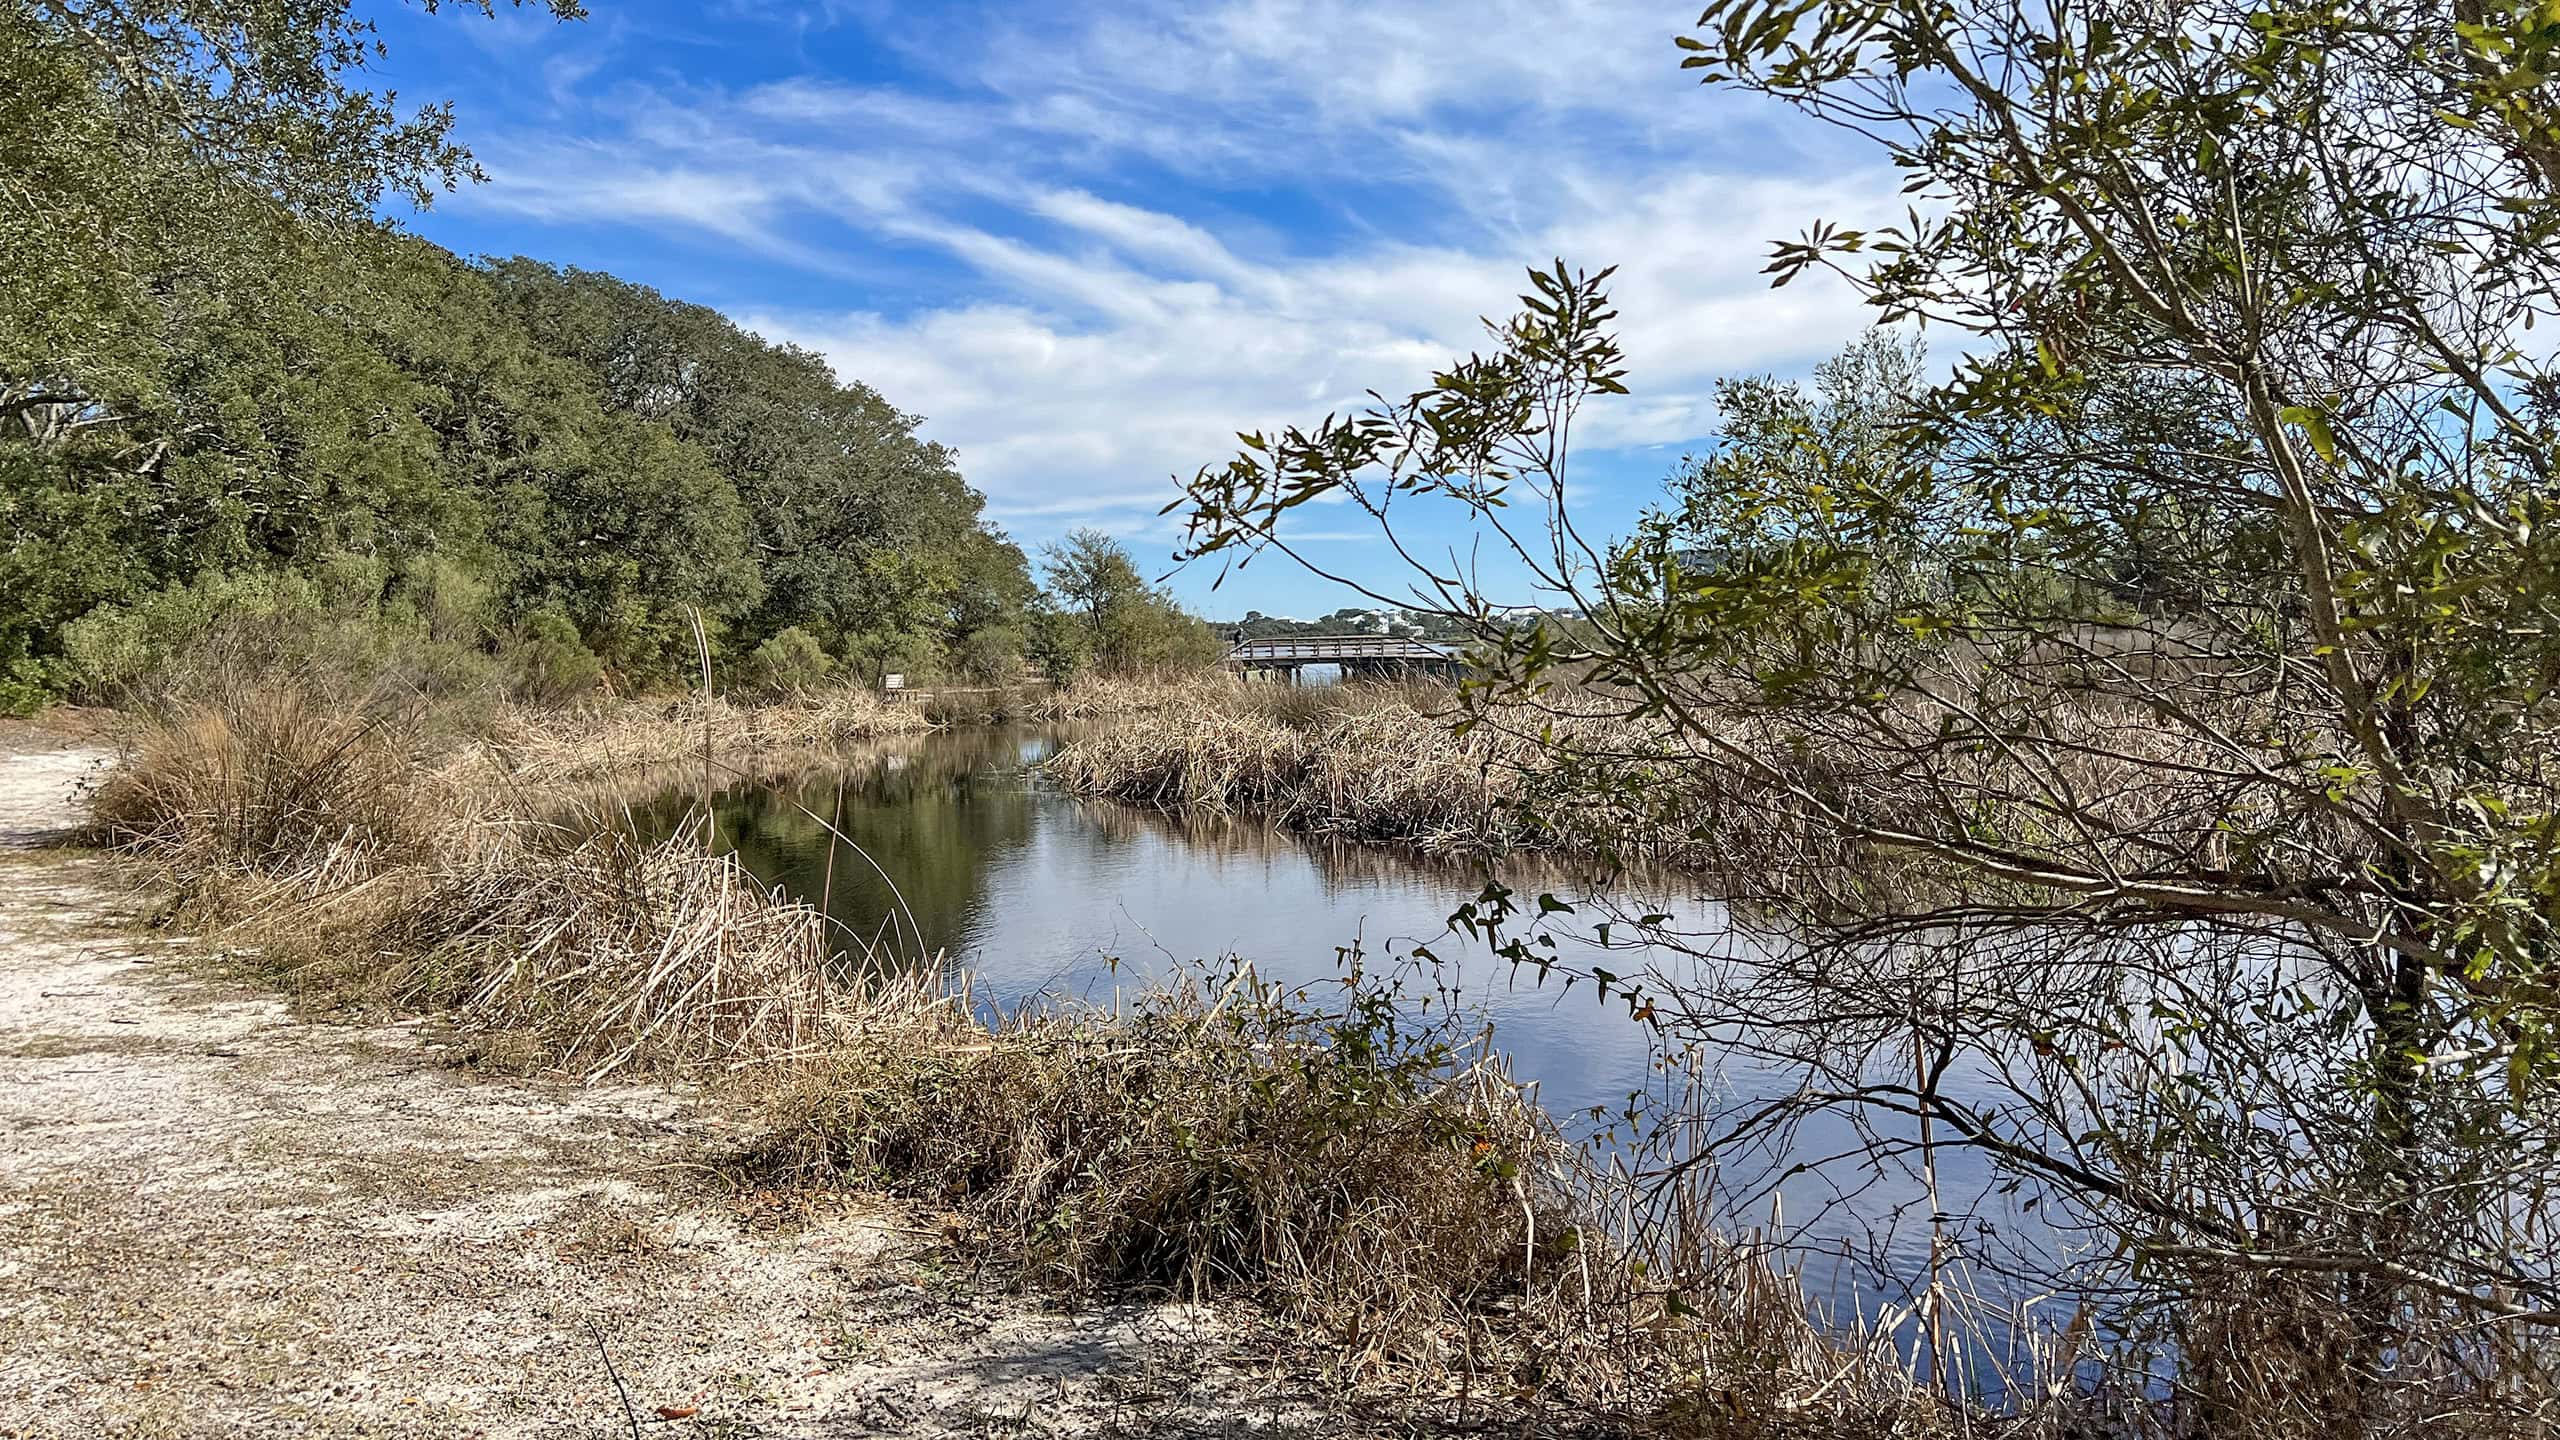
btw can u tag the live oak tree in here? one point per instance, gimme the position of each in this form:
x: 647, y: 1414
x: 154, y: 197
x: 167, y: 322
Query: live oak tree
x: 215, y: 362
x: 168, y: 160
x: 171, y: 142
x: 862, y: 532
x: 2151, y: 721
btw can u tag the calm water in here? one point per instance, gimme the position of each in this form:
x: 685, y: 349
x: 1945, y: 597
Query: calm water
x: 964, y: 852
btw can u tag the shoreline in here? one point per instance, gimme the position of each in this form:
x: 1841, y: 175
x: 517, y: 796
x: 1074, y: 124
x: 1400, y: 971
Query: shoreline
x: 898, y: 1092
x: 231, y: 1218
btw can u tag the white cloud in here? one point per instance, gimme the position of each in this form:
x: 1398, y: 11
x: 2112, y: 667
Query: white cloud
x: 1361, y: 183
x: 1122, y: 378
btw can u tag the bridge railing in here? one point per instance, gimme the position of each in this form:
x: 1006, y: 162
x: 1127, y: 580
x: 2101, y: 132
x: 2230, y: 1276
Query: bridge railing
x: 1321, y: 649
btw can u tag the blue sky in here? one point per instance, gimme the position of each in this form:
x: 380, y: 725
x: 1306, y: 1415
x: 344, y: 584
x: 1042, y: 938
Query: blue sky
x: 1089, y: 242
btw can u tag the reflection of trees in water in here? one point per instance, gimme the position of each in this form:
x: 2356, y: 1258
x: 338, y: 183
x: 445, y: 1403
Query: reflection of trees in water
x: 919, y: 811
x: 936, y: 812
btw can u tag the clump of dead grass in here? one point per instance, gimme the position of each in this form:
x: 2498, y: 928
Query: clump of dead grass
x: 1201, y: 1142
x: 614, y: 953
x: 271, y: 782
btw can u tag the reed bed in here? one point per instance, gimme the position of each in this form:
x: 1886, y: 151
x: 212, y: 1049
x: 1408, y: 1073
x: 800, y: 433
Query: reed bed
x: 1387, y: 775
x: 548, y: 748
x: 345, y: 846
x: 1754, y: 807
x: 1375, y: 762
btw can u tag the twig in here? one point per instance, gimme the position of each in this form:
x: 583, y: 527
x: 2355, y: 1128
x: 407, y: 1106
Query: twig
x: 628, y: 1414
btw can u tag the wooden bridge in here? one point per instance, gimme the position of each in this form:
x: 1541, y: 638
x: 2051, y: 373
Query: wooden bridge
x: 1370, y: 655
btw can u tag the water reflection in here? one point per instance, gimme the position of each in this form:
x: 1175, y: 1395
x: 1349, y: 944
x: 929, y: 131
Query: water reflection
x: 951, y: 847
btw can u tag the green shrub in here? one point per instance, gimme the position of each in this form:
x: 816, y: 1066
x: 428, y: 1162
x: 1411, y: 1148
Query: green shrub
x: 115, y: 649
x: 349, y: 624
x: 546, y: 662
x: 1057, y: 643
x: 789, y: 660
x: 26, y: 686
x: 992, y: 656
x: 441, y: 597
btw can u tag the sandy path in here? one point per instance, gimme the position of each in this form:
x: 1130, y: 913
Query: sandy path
x: 219, y: 1219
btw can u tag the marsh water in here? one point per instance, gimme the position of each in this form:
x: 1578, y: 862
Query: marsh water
x: 952, y: 850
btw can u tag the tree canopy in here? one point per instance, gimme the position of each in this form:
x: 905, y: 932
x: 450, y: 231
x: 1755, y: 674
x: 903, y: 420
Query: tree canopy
x: 214, y: 360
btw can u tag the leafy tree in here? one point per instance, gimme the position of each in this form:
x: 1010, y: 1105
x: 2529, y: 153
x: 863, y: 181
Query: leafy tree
x: 859, y: 529
x: 177, y: 172
x: 1093, y: 576
x: 789, y: 660
x: 549, y: 662
x: 2207, y: 807
x: 983, y: 618
x: 1128, y: 624
x: 159, y: 142
x: 1057, y: 643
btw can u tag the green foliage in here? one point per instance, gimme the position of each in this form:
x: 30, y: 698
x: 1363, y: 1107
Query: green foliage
x: 156, y: 139
x: 988, y: 655
x: 115, y: 646
x: 546, y: 662
x: 1127, y: 623
x: 789, y: 660
x: 213, y: 363
x: 346, y: 618
x: 25, y: 686
x: 862, y: 529
x: 1058, y: 644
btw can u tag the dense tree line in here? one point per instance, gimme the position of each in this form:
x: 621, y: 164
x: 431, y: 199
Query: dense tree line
x: 221, y: 376
x: 579, y: 446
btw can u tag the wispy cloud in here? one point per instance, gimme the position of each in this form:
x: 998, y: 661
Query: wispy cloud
x: 1144, y: 227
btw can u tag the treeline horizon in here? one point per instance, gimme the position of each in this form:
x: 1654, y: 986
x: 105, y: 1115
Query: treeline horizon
x: 231, y: 390
x: 516, y: 456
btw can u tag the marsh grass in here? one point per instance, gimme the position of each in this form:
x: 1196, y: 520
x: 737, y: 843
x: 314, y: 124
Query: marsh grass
x: 1583, y: 774
x: 552, y: 748
x: 1215, y: 1135
x: 272, y: 783
x: 1360, y: 762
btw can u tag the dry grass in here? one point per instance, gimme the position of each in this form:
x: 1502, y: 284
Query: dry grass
x: 274, y: 783
x: 371, y: 874
x: 616, y: 953
x: 1750, y: 804
x: 543, y: 748
x: 1200, y: 1141
x: 1373, y: 763
x: 1385, y: 1189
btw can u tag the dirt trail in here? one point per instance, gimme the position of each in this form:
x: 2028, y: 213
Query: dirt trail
x: 219, y: 1219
